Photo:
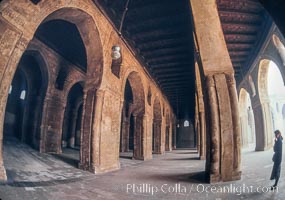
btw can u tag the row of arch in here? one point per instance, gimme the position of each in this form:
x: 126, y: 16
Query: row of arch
x: 258, y: 115
x: 61, y: 108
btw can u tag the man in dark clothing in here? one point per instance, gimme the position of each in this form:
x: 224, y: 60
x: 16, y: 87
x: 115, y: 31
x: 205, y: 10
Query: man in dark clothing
x: 277, y: 158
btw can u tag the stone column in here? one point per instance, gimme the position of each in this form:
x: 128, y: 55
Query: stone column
x: 55, y: 122
x: 88, y: 112
x: 52, y: 121
x: 170, y: 136
x: 3, y: 175
x: 222, y: 128
x: 223, y: 159
x: 202, y: 128
x: 125, y: 134
x: 139, y: 139
x: 243, y: 121
x: 213, y: 160
x: 147, y: 145
x: 96, y: 132
x: 174, y: 136
x: 44, y: 123
x: 167, y: 147
x: 137, y: 142
x: 157, y: 136
x: 71, y: 140
x: 200, y: 110
x: 236, y: 174
x: 263, y: 125
x: 197, y: 122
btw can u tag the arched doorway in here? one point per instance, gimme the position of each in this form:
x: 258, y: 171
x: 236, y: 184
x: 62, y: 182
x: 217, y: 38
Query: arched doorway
x: 86, y: 31
x: 127, y: 123
x: 13, y: 123
x: 132, y: 120
x: 72, y: 122
x: 156, y: 127
x: 26, y: 98
x: 270, y: 90
x: 247, y: 120
x: 276, y: 94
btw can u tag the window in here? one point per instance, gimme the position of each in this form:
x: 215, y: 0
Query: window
x: 23, y: 95
x: 186, y: 123
x: 10, y: 89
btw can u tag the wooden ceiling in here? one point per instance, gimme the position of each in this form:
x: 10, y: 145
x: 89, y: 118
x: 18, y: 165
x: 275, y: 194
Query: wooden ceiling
x: 160, y: 32
x: 245, y: 24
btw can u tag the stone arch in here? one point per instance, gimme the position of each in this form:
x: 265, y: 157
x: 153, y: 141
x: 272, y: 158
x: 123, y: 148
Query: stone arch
x: 133, y: 115
x: 76, y: 14
x: 37, y: 111
x: 279, y: 46
x: 156, y: 129
x: 138, y: 90
x: 35, y: 70
x: 251, y: 85
x: 263, y: 120
x: 246, y: 118
x: 266, y: 57
x: 91, y: 39
x: 262, y: 79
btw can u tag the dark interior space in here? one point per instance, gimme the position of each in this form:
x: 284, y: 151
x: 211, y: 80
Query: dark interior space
x: 15, y: 107
x: 161, y: 36
x: 72, y: 118
x: 25, y: 101
x: 64, y: 38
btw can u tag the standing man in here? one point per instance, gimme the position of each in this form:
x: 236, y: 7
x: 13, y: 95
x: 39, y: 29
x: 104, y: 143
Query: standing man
x: 277, y: 158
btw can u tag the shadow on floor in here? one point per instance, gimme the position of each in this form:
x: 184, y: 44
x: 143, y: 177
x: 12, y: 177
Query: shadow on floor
x: 126, y: 157
x: 13, y: 183
x: 190, y: 152
x: 67, y: 159
x: 195, y: 177
x: 175, y: 159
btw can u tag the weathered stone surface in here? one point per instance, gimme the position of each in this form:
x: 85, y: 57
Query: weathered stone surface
x: 210, y: 38
x: 103, y: 90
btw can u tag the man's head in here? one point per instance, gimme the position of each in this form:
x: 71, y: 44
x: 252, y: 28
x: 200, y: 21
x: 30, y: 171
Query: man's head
x: 277, y: 133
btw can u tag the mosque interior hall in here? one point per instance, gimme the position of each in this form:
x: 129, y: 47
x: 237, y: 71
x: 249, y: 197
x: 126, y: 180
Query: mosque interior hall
x: 141, y: 99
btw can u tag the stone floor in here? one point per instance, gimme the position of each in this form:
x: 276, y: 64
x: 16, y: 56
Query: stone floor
x: 175, y: 175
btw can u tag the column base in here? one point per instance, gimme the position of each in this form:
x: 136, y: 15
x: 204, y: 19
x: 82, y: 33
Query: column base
x: 214, y: 178
x: 263, y: 148
x: 102, y: 170
x: 158, y: 153
x: 84, y: 167
x: 202, y: 157
x: 3, y: 176
x: 236, y: 176
x: 139, y: 158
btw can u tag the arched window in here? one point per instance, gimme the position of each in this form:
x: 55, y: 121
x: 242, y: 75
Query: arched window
x: 186, y: 123
x: 10, y: 89
x: 23, y: 95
